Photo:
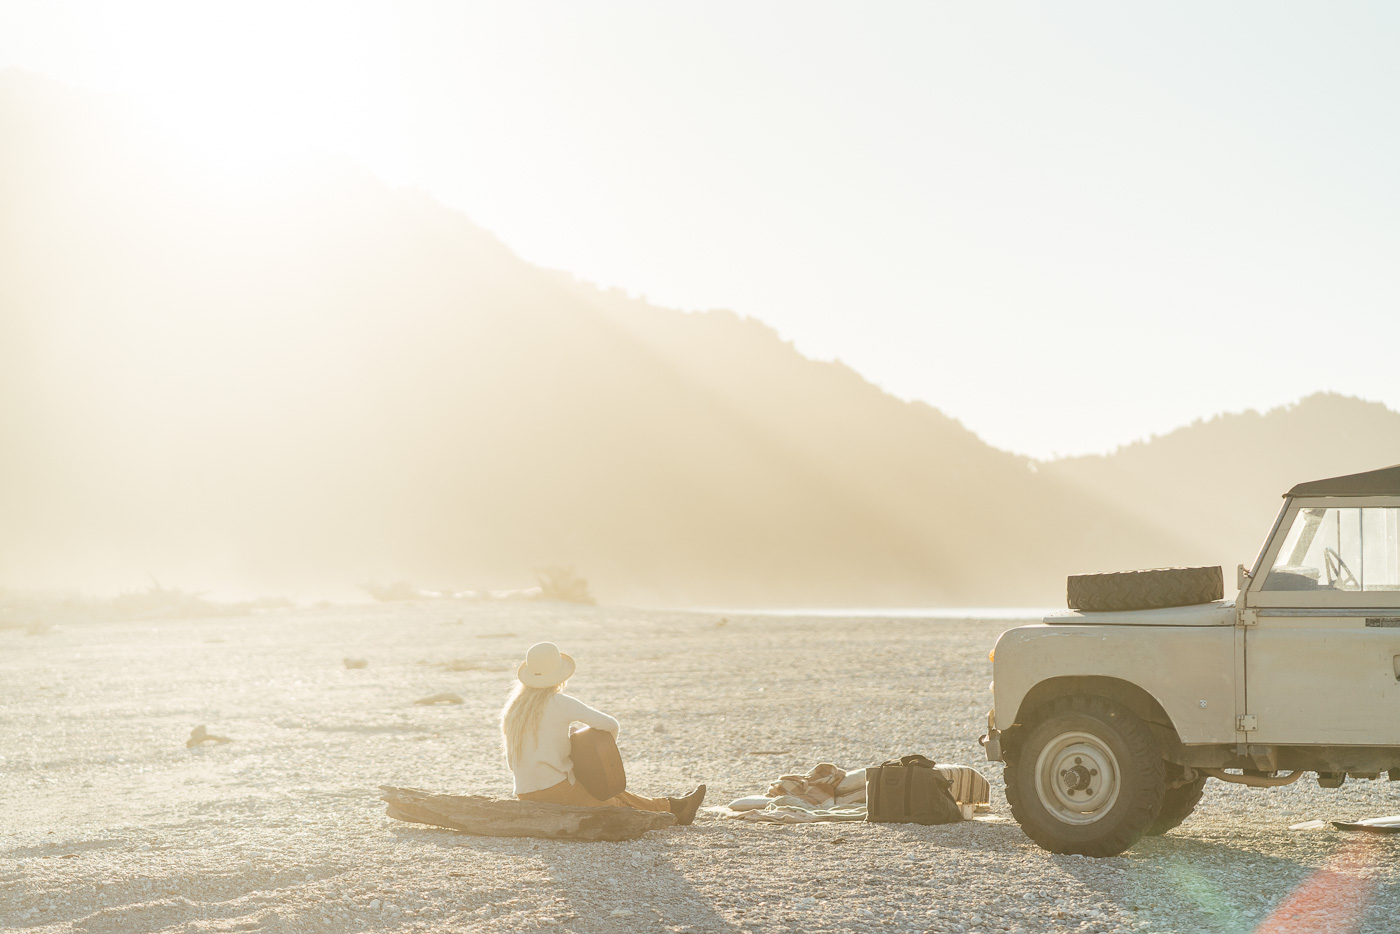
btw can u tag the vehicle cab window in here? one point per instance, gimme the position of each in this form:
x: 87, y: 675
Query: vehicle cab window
x: 1356, y: 548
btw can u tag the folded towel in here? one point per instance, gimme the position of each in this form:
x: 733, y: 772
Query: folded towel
x: 819, y: 786
x: 854, y: 781
x: 790, y: 810
x: 968, y: 785
x: 750, y: 803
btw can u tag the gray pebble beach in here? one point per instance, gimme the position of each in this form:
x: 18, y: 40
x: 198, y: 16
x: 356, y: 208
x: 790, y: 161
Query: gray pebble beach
x: 111, y: 824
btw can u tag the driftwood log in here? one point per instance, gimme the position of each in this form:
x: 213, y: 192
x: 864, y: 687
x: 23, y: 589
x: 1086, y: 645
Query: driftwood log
x: 509, y: 817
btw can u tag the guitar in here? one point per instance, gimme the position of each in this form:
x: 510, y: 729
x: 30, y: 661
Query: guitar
x: 597, y: 763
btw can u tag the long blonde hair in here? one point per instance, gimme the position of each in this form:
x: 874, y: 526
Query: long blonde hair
x: 520, y: 718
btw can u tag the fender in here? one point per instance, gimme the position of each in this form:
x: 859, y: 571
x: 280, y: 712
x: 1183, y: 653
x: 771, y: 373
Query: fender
x: 1188, y: 670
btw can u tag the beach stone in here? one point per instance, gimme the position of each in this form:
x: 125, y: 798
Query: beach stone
x: 200, y: 735
x: 445, y: 697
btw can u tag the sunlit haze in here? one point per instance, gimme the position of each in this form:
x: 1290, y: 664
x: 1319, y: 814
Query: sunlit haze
x: 1068, y: 226
x: 862, y: 417
x: 708, y: 305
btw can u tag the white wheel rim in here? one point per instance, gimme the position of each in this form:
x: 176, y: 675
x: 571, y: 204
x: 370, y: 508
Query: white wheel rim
x: 1077, y: 778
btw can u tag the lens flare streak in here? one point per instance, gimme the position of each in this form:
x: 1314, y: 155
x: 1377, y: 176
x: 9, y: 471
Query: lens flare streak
x: 1332, y: 900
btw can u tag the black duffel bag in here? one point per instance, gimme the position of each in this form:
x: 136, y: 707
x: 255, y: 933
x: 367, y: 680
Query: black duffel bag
x: 597, y: 763
x: 909, y: 790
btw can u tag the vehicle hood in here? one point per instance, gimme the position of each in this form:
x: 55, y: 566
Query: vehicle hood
x: 1219, y: 613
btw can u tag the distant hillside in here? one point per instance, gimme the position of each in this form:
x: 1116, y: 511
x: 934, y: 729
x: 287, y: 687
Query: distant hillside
x: 309, y: 379
x: 1216, y: 485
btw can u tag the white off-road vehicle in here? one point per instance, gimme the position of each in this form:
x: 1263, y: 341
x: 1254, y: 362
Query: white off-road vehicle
x: 1111, y: 716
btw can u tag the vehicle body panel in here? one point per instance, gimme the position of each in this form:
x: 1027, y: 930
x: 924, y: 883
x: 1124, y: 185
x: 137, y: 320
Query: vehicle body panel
x: 1322, y: 666
x: 1328, y: 680
x: 1188, y: 670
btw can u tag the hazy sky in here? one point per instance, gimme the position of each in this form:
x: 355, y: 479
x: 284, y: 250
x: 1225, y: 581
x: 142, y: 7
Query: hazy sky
x: 1069, y: 225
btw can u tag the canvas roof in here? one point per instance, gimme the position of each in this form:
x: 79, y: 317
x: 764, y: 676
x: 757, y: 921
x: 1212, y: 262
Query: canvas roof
x: 1383, y: 482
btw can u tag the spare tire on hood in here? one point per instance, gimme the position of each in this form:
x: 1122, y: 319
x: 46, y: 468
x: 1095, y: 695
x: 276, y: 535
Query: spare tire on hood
x: 1145, y: 590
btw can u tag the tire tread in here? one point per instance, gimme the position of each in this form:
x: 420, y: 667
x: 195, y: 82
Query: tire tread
x: 1147, y: 788
x: 1154, y: 588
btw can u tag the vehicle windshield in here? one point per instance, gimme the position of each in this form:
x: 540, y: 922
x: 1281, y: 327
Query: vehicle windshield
x: 1339, y: 549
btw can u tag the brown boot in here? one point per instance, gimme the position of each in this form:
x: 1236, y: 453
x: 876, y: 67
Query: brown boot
x: 685, y: 808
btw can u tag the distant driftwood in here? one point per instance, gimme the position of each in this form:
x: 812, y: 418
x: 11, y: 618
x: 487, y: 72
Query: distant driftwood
x: 199, y: 736
x: 509, y: 817
x: 446, y: 697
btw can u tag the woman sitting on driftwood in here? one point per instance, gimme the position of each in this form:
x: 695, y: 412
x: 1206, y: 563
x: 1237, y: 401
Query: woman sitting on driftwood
x: 535, y: 725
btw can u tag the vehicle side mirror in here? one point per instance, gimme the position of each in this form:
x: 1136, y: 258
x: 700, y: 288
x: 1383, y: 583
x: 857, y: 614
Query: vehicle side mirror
x: 1242, y: 577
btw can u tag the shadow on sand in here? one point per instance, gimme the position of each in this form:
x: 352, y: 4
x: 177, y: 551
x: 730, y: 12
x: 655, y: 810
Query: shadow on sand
x: 591, y: 887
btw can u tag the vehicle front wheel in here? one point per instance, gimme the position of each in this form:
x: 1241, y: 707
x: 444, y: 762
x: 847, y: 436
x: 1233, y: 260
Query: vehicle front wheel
x: 1087, y: 778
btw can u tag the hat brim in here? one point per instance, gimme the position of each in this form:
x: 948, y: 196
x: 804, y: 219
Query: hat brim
x: 547, y: 679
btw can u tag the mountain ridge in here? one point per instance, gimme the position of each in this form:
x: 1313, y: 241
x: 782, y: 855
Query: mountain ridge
x: 1224, y: 476
x: 298, y: 383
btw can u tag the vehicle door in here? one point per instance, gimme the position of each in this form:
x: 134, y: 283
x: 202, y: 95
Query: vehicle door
x: 1322, y: 626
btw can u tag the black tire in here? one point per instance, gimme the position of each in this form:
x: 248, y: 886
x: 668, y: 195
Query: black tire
x: 1145, y: 590
x: 1178, y: 802
x: 1079, y: 741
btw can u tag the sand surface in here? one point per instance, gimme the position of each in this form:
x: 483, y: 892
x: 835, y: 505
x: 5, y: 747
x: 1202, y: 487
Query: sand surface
x: 109, y: 823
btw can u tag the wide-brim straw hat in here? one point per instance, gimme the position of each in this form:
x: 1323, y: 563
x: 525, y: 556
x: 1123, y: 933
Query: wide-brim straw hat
x: 545, y: 666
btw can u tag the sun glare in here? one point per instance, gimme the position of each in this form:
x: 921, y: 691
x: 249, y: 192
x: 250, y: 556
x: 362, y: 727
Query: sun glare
x: 255, y: 84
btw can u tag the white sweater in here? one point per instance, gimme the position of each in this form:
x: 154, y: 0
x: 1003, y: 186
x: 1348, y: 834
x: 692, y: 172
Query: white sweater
x: 545, y: 762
